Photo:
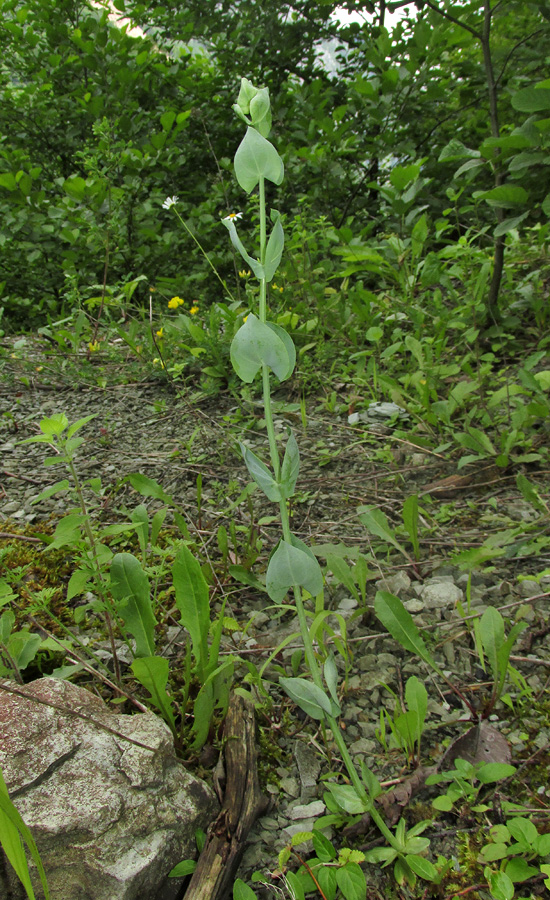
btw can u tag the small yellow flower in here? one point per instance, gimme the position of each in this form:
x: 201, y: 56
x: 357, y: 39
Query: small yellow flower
x: 244, y: 320
x: 93, y: 346
x: 276, y: 287
x: 160, y: 332
x: 175, y: 302
x: 194, y: 310
x: 244, y: 274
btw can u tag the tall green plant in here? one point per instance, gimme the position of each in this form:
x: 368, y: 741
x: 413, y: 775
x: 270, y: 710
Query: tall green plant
x: 263, y: 348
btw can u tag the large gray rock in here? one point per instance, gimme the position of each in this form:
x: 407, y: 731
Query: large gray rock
x: 111, y: 808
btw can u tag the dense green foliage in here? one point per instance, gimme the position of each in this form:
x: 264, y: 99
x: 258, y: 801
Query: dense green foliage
x: 407, y: 150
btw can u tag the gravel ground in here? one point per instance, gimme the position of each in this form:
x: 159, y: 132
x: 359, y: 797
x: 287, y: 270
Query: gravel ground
x: 145, y: 428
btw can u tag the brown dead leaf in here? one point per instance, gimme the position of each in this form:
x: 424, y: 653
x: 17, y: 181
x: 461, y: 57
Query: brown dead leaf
x: 482, y: 743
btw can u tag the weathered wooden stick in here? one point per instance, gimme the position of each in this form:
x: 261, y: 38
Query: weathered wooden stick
x: 243, y: 803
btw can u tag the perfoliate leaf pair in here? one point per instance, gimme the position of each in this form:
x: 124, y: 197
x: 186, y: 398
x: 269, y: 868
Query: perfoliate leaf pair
x: 293, y: 564
x: 257, y: 158
x: 274, y: 249
x: 254, y: 102
x: 275, y: 490
x: 258, y: 343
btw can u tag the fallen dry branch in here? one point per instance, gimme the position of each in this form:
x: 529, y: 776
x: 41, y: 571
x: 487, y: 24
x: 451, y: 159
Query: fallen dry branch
x: 243, y: 803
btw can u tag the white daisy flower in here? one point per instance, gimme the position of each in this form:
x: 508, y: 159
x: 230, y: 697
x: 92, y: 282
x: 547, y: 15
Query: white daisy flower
x: 170, y: 201
x: 233, y: 216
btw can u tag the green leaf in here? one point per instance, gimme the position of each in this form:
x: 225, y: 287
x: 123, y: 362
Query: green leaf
x: 152, y: 672
x: 455, y: 150
x: 256, y: 344
x: 326, y: 876
x: 260, y: 112
x: 254, y: 264
x: 241, y: 891
x: 274, y: 250
x: 543, y: 379
x: 51, y: 490
x: 131, y: 590
x: 376, y: 522
x: 343, y: 573
x: 530, y: 493
x: 23, y: 647
x: 410, y: 519
x: 493, y: 852
x: 416, y: 698
x: 290, y: 468
x: 491, y: 632
x: 491, y: 772
x: 76, y: 426
x: 542, y: 844
x: 351, y: 881
x: 7, y: 621
x: 203, y: 710
x: 519, y: 870
x: 502, y: 888
x: 6, y: 594
x: 289, y: 346
x: 476, y: 440
x: 330, y: 673
x: 256, y: 158
x: 504, y: 652
x: 531, y: 99
x: 7, y: 180
x: 374, y: 333
x: 293, y: 565
x: 508, y: 224
x: 140, y: 518
x: 415, y: 347
x: 295, y: 886
x: 185, y: 867
x: 401, y: 176
x: 419, y: 235
x: 192, y: 600
x: 384, y: 855
x: 75, y: 187
x: 347, y: 798
x: 422, y: 867
x: 260, y: 473
x: 470, y: 166
x: 55, y: 425
x: 504, y: 195
x: 323, y: 847
x: 167, y: 120
x: 395, y: 618
x: 67, y: 531
x: 524, y: 831
x: 307, y: 696
x: 148, y: 487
